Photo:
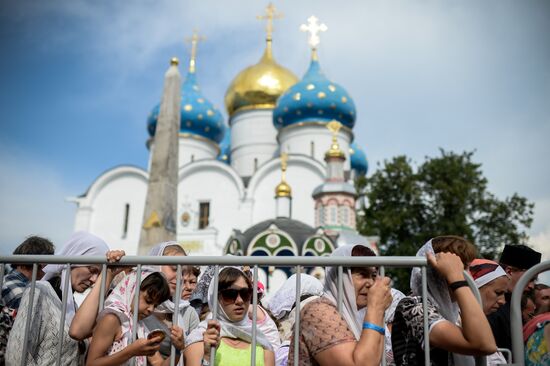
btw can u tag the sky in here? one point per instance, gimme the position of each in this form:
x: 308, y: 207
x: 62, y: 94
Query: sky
x: 78, y: 79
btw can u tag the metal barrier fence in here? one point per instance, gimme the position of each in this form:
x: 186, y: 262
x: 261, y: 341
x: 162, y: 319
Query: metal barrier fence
x: 297, y: 262
x: 515, y: 311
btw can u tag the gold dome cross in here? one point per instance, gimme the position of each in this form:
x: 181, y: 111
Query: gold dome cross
x: 271, y: 14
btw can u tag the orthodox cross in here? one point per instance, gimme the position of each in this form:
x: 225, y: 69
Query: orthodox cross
x: 194, y: 40
x: 314, y: 29
x: 284, y: 165
x: 271, y: 14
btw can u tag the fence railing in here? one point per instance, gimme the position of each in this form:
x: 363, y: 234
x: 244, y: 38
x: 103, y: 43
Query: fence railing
x: 254, y: 262
x: 516, y: 323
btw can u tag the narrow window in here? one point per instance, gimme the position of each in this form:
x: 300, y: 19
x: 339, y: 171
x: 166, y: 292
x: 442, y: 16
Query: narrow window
x: 255, y: 164
x: 333, y: 215
x: 312, y: 148
x: 192, y: 158
x: 204, y: 213
x: 125, y: 222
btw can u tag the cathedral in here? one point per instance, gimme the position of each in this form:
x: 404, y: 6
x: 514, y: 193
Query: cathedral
x: 275, y: 179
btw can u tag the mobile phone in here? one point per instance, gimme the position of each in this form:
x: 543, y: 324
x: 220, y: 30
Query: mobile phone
x: 157, y: 333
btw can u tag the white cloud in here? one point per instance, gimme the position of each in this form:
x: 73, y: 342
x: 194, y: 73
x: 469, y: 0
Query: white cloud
x: 33, y: 202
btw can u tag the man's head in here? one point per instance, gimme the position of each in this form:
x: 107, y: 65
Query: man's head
x: 33, y: 245
x: 542, y: 296
x: 516, y: 259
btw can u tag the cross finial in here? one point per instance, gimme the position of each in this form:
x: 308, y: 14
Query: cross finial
x: 271, y: 14
x: 284, y: 162
x: 194, y: 40
x: 314, y: 29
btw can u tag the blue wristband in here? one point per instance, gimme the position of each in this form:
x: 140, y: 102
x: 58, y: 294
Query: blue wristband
x: 367, y: 325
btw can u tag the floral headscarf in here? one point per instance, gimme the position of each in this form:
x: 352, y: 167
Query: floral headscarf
x: 119, y: 302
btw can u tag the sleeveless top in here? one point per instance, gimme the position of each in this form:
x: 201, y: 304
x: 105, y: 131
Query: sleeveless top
x: 229, y: 356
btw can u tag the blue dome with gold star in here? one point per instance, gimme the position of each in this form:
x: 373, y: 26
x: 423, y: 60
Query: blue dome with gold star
x: 225, y: 148
x: 198, y: 115
x: 314, y: 99
x: 358, y: 159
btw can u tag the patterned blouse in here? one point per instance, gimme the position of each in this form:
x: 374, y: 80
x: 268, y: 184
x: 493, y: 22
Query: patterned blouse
x: 321, y: 327
x: 408, y: 334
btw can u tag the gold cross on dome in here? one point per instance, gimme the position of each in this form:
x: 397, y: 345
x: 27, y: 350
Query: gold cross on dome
x: 271, y: 14
x: 284, y: 161
x: 194, y: 40
x: 314, y: 29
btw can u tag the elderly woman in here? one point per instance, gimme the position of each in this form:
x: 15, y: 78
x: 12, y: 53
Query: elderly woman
x: 231, y: 332
x: 448, y: 293
x: 492, y: 282
x: 330, y: 338
x: 45, y: 314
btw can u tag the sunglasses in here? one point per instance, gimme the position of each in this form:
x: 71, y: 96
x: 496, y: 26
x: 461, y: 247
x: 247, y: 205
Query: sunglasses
x: 229, y: 295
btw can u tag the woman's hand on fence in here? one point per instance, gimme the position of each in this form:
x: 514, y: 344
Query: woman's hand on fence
x: 114, y: 256
x: 449, y: 265
x: 176, y: 335
x: 380, y: 296
x: 211, y: 336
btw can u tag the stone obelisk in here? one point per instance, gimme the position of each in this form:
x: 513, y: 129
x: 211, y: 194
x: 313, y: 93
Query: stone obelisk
x: 159, y: 217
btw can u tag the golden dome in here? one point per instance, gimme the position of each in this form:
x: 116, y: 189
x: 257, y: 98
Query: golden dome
x: 259, y: 86
x: 283, y: 190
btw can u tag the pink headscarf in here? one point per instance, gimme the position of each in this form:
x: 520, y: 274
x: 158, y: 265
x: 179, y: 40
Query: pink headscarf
x: 119, y: 302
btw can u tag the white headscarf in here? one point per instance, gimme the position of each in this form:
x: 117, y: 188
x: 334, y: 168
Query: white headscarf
x: 168, y: 306
x: 240, y: 330
x: 79, y: 244
x: 284, y: 299
x: 349, y: 301
x: 438, y: 291
x: 119, y: 302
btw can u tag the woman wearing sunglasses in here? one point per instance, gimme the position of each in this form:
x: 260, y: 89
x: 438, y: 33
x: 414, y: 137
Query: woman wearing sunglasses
x: 231, y: 332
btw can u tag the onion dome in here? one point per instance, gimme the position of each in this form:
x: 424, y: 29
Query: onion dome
x: 314, y: 99
x: 199, y: 117
x: 260, y: 85
x: 358, y: 159
x: 225, y: 147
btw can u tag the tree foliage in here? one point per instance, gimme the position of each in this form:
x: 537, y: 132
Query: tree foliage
x: 445, y: 195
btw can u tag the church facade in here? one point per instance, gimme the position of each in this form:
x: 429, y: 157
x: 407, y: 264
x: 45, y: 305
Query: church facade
x: 272, y: 180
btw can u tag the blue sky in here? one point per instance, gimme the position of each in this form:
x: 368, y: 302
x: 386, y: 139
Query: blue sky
x: 80, y: 77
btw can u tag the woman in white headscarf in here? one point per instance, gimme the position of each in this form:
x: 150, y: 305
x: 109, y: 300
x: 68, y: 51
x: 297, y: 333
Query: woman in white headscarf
x: 328, y: 337
x: 231, y: 332
x: 46, y: 310
x: 283, y: 302
x: 162, y: 318
x: 448, y: 293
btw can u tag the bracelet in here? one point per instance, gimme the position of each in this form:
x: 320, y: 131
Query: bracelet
x: 458, y: 284
x: 376, y: 328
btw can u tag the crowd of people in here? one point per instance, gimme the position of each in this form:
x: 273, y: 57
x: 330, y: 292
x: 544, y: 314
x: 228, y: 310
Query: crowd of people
x: 357, y: 320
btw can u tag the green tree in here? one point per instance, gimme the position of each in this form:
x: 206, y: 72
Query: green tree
x: 446, y: 194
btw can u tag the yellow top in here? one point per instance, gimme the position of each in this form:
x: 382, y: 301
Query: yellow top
x: 260, y: 85
x: 174, y: 61
x: 334, y: 151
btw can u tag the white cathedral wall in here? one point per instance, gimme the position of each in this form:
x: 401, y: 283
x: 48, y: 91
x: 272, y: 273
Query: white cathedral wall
x: 216, y: 183
x: 313, y: 140
x: 253, y: 140
x: 303, y: 175
x: 108, y: 207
